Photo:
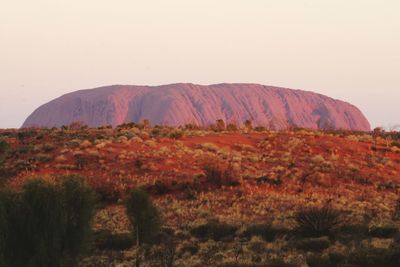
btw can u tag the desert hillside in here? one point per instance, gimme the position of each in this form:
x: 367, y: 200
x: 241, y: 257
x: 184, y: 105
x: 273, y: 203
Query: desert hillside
x: 247, y: 182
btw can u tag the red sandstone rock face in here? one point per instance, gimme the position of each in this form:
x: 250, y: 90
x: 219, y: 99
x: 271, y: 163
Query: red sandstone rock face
x: 179, y: 104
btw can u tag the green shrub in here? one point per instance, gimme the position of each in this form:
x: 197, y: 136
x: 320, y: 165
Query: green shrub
x: 191, y: 248
x: 175, y: 134
x: 145, y: 219
x: 318, y: 221
x: 78, y: 203
x: 214, y: 229
x: 164, y: 253
x: 265, y: 230
x: 270, y: 181
x: 326, y: 260
x: 274, y: 263
x: 312, y: 244
x: 144, y: 216
x: 43, y: 157
x: 373, y: 257
x: 383, y: 231
x: 4, y: 149
x: 106, y: 240
x: 3, y: 228
x: 48, y: 224
x: 260, y: 129
x: 351, y: 232
x: 219, y: 176
x: 48, y: 147
x: 396, y: 211
x: 5, y: 173
x: 159, y: 188
x: 24, y: 149
x: 231, y: 127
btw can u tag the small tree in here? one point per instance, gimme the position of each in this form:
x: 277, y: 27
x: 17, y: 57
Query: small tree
x: 144, y: 217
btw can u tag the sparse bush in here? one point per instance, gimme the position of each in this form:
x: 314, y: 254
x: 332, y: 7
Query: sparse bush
x: 265, y: 230
x: 248, y: 124
x: 214, y: 230
x: 43, y: 157
x: 190, y: 248
x: 80, y: 161
x: 274, y: 263
x: 159, y: 188
x: 77, y: 125
x: 232, y: 127
x: 351, y: 232
x: 3, y: 229
x: 48, y: 147
x: 383, y: 231
x: 106, y: 240
x: 209, y: 147
x: 24, y: 149
x: 175, y: 134
x: 373, y: 257
x: 318, y: 221
x: 4, y: 171
x: 396, y: 212
x: 326, y: 260
x: 260, y: 129
x: 313, y: 244
x: 163, y: 254
x: 219, y: 176
x: 78, y: 205
x: 270, y: 181
x: 138, y: 163
x: 219, y: 125
x: 4, y: 149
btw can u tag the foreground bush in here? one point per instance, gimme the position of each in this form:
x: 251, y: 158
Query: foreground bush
x: 48, y: 224
x: 327, y: 260
x: 276, y: 263
x: 106, y: 240
x: 317, y: 222
x: 214, y: 229
x: 3, y: 229
x: 4, y: 148
x: 373, y: 257
x: 312, y: 244
x: 144, y: 217
x: 218, y: 176
x: 265, y: 230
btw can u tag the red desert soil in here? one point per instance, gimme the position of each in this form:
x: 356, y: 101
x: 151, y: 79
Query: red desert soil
x: 274, y: 172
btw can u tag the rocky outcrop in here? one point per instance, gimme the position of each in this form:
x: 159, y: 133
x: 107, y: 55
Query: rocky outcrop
x: 179, y: 104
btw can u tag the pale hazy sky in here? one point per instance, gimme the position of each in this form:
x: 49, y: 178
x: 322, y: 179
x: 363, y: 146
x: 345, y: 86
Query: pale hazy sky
x: 346, y: 49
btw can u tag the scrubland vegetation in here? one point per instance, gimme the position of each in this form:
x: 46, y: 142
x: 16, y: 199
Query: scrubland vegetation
x: 137, y: 195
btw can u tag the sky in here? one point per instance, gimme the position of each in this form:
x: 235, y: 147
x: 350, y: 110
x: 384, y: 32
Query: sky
x: 345, y: 49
